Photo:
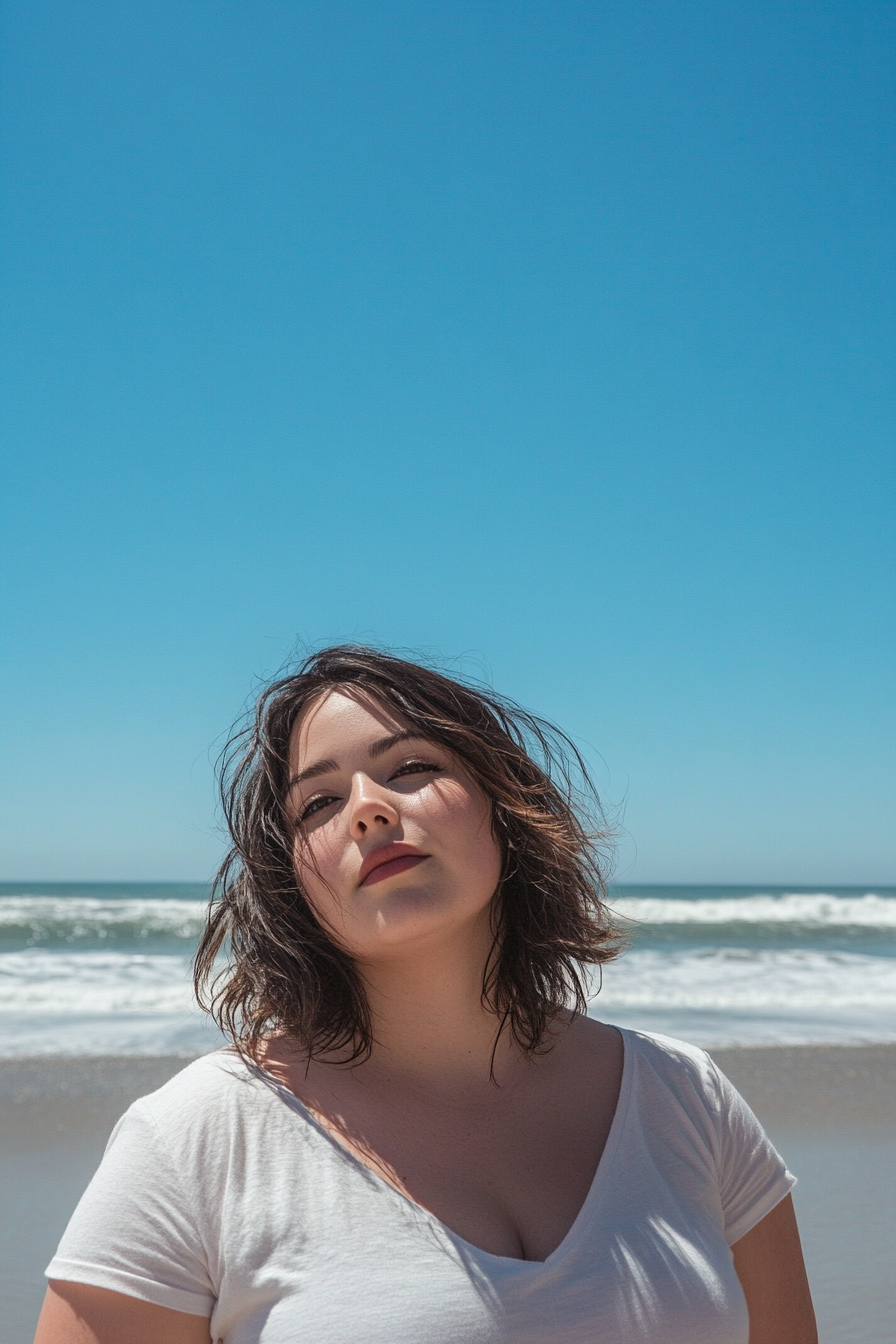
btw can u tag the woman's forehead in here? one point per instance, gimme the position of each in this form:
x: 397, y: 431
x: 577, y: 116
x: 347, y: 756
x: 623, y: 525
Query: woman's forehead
x: 340, y: 716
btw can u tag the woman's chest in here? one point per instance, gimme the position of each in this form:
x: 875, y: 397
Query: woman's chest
x: 507, y: 1169
x: 334, y: 1251
x: 509, y: 1181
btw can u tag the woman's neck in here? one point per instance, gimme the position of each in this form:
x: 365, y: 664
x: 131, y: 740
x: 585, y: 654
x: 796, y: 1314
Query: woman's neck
x: 431, y: 1028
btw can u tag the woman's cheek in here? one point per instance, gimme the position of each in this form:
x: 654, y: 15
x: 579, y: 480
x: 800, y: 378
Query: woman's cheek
x: 451, y: 804
x: 314, y: 863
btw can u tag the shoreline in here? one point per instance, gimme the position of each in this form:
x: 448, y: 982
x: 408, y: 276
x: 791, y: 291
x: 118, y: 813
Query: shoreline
x: 812, y: 1087
x: 788, y: 1086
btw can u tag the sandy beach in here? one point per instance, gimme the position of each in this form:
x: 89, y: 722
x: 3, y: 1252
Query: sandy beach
x: 830, y: 1109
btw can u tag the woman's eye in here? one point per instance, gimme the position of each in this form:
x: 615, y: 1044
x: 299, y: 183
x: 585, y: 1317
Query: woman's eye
x: 316, y: 805
x: 417, y: 767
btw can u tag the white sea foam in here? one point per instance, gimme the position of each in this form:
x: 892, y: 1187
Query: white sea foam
x: 113, y: 1002
x: 86, y: 974
x: 186, y: 1034
x: 730, y: 996
x: 743, y: 978
x: 99, y: 1003
x: 72, y: 918
x: 37, y: 981
x: 816, y: 910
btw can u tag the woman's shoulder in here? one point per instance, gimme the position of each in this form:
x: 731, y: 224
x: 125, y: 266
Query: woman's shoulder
x: 652, y: 1047
x: 658, y: 1061
x: 688, y: 1076
x: 209, y: 1090
x: 667, y: 1051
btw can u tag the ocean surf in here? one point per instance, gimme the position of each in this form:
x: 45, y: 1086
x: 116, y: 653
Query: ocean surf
x: 94, y: 969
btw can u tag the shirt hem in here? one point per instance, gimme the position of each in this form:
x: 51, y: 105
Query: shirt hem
x: 131, y: 1285
x: 747, y: 1221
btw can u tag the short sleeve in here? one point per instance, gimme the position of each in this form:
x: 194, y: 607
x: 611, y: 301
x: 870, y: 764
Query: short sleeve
x: 133, y: 1232
x: 752, y: 1175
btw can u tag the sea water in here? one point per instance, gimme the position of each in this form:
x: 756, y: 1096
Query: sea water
x: 104, y: 968
x: 755, y: 965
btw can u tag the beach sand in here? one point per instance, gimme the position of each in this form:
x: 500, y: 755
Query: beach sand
x: 831, y: 1110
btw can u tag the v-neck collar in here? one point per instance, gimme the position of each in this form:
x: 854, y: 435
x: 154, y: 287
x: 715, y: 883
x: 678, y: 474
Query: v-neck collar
x: 601, y: 1175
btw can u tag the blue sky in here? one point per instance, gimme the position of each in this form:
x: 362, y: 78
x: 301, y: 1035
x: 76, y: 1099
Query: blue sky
x: 556, y: 339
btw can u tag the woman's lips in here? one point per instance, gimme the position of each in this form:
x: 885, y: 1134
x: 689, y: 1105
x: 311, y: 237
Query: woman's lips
x: 390, y: 867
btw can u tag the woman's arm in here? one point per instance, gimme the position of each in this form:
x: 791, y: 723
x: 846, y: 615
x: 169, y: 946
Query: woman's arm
x: 76, y: 1313
x: 769, y: 1264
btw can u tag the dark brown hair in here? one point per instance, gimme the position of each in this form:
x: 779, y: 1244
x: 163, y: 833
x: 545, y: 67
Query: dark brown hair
x: 285, y: 973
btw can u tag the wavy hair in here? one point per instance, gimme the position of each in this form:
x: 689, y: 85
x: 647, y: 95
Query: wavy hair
x: 283, y: 971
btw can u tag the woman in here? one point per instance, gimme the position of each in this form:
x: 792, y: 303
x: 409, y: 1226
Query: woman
x: 420, y: 1135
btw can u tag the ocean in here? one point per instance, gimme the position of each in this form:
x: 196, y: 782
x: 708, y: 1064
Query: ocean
x: 104, y: 968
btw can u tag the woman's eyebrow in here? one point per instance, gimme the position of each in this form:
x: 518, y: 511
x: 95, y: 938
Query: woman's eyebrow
x: 375, y: 749
x: 386, y: 743
x: 319, y: 768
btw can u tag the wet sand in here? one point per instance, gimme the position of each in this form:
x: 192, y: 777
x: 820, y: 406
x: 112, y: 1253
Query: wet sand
x: 831, y: 1110
x: 55, y: 1118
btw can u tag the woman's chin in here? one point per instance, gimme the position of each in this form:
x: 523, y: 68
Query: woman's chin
x: 408, y: 912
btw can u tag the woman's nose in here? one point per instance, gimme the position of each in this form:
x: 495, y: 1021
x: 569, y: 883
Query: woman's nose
x: 372, y: 809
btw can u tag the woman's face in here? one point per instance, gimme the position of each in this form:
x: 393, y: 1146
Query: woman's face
x: 394, y: 844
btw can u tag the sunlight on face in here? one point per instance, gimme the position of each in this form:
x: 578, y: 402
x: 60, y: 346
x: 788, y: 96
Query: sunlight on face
x: 394, y: 844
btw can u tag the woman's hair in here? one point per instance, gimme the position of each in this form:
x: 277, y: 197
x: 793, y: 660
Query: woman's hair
x: 285, y: 973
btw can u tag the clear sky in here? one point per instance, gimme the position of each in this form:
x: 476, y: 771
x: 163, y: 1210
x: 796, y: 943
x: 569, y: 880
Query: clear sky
x: 553, y: 338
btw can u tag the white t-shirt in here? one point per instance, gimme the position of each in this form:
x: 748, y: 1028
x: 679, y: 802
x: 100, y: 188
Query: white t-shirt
x: 222, y: 1196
